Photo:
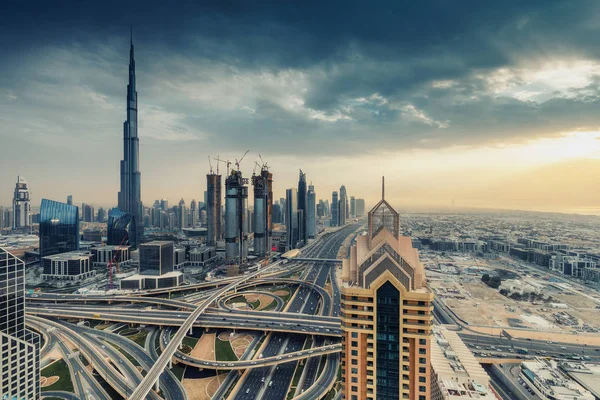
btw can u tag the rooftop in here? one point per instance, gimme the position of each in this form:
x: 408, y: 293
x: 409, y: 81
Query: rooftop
x: 71, y: 255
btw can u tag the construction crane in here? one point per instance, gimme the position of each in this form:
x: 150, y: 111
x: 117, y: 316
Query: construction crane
x: 237, y: 163
x: 264, y: 164
x: 210, y: 165
x: 114, y: 260
x: 223, y: 161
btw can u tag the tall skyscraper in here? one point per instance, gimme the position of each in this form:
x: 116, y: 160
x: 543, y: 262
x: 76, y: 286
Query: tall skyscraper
x: 236, y: 223
x: 302, y: 199
x: 19, y: 354
x: 130, y: 194
x: 87, y: 212
x: 387, y: 314
x: 182, y: 214
x: 70, y: 199
x: 1, y: 218
x: 311, y: 208
x: 21, y: 205
x: 335, y: 215
x: 263, y: 209
x: 352, y: 207
x: 164, y: 205
x: 101, y: 215
x: 343, y: 206
x: 193, y: 214
x: 59, y: 228
x: 360, y: 207
x: 213, y: 208
x: 291, y: 218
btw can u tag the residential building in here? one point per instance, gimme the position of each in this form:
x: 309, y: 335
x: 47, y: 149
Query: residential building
x: 387, y: 314
x: 291, y: 218
x: 335, y: 215
x: 360, y: 207
x: 311, y: 208
x: 302, y: 209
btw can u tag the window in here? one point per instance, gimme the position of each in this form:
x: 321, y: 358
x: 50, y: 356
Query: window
x: 354, y: 370
x: 354, y: 388
x: 422, y: 389
x: 354, y: 379
x: 422, y: 370
x: 354, y: 361
x: 354, y: 353
x: 354, y: 335
x: 422, y: 379
x: 422, y: 342
x: 354, y: 343
x: 422, y: 360
x: 422, y: 351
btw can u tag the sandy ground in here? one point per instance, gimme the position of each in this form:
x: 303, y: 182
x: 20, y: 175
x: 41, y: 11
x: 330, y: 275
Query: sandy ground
x: 264, y: 300
x: 328, y: 289
x: 205, y: 347
x: 202, y: 389
x: 54, y: 354
x: 48, y: 381
x: 281, y: 293
x: 557, y: 337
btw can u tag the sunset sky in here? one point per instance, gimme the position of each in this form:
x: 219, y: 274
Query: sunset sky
x: 492, y: 104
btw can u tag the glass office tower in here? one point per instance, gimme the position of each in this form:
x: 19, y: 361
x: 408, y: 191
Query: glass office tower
x: 59, y: 228
x: 121, y: 228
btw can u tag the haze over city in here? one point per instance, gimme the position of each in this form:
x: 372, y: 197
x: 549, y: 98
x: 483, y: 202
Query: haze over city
x: 491, y: 107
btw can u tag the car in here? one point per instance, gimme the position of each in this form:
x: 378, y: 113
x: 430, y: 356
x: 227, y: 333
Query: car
x: 253, y: 363
x: 230, y: 365
x: 290, y: 356
x: 183, y: 358
x: 120, y: 361
x: 247, y: 390
x: 215, y: 365
x: 103, y: 346
x: 279, y: 358
x: 270, y: 383
x: 563, y: 348
x: 310, y: 351
x: 303, y: 330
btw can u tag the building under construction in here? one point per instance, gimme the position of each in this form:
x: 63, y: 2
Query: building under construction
x: 236, y: 223
x: 213, y: 208
x: 263, y: 211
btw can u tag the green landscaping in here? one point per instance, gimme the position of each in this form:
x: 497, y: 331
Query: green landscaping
x: 185, y: 349
x: 178, y: 370
x: 60, y: 369
x: 223, y: 351
x: 128, y: 332
x: 139, y: 338
x: 190, y: 341
x: 272, y: 305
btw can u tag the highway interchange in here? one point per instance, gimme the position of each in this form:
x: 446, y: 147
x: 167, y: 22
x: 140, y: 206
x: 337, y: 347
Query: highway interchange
x: 304, y: 331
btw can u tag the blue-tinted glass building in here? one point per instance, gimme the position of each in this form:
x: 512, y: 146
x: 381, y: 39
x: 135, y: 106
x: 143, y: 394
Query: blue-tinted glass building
x: 121, y: 228
x: 59, y: 228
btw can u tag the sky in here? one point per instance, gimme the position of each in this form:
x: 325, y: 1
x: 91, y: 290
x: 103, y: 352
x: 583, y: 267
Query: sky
x: 477, y: 103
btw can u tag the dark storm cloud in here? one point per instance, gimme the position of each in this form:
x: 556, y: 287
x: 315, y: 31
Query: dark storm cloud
x: 316, y: 77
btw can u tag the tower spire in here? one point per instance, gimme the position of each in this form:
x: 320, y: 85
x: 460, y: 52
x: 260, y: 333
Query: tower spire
x: 383, y: 188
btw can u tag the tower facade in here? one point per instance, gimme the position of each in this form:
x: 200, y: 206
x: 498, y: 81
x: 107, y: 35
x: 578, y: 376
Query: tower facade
x: 21, y: 216
x: 19, y: 358
x: 236, y: 223
x: 387, y: 314
x: 263, y: 210
x: 291, y: 218
x: 130, y: 194
x: 59, y: 228
x: 302, y: 200
x: 213, y: 209
x: 193, y: 214
x: 311, y: 208
x: 334, y: 209
x: 343, y: 206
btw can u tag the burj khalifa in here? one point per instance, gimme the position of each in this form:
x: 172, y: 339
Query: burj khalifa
x: 130, y: 193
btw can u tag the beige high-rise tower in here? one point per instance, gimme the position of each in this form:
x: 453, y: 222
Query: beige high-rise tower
x: 387, y: 313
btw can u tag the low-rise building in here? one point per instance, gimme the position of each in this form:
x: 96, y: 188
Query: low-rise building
x: 201, y: 255
x: 549, y: 382
x: 104, y: 254
x: 142, y: 282
x: 455, y: 373
x: 70, y: 266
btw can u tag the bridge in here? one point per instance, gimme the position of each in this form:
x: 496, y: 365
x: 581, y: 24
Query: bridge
x: 321, y: 260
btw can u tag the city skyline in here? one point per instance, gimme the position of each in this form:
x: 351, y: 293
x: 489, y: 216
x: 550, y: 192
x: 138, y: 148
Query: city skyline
x: 490, y: 110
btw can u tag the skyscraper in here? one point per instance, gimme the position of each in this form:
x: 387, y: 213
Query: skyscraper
x: 130, y: 193
x: 101, y: 215
x: 236, y: 223
x: 70, y: 199
x: 360, y: 207
x: 164, y: 205
x: 263, y: 209
x: 311, y: 222
x: 87, y: 212
x: 59, y: 228
x: 291, y: 218
x: 193, y: 214
x: 343, y: 206
x: 334, y: 209
x: 213, y: 208
x: 182, y: 214
x: 302, y: 199
x: 21, y: 206
x: 352, y: 207
x: 387, y: 314
x: 19, y: 355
